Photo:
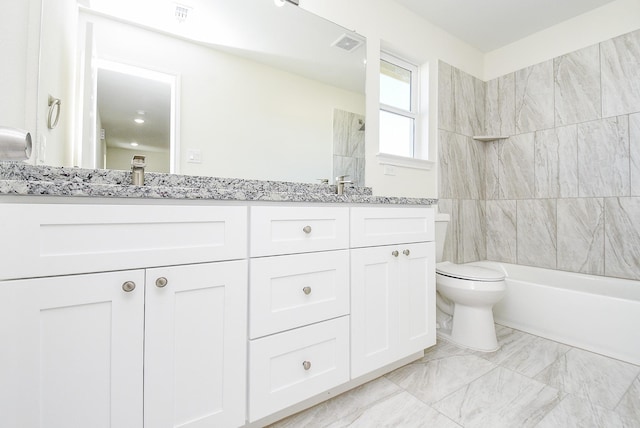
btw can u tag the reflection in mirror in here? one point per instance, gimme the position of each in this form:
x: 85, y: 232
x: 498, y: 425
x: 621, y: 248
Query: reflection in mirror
x: 259, y: 87
x: 135, y: 117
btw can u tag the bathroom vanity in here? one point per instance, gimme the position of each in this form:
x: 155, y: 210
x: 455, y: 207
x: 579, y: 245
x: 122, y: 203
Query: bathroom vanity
x: 156, y: 310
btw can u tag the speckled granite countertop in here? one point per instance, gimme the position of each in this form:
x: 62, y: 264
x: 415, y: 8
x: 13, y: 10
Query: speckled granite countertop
x: 28, y: 180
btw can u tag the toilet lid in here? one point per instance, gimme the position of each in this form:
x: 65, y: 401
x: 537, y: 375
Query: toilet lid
x: 470, y: 272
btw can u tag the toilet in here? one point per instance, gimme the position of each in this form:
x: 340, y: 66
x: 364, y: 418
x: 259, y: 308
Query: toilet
x: 465, y: 297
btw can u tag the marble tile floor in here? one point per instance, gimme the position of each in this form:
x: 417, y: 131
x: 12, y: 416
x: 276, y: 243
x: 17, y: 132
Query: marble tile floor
x: 528, y: 382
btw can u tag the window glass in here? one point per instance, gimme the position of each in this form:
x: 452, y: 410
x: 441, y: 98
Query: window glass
x: 396, y: 134
x: 395, y: 86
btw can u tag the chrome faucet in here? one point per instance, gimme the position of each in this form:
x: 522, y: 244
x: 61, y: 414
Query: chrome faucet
x: 340, y: 182
x: 137, y: 170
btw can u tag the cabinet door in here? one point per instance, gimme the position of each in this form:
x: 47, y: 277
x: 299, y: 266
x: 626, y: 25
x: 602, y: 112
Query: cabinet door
x: 374, y: 308
x: 195, y: 345
x: 72, y: 350
x: 416, y: 289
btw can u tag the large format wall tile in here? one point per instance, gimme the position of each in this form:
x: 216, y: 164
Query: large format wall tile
x: 348, y: 140
x: 581, y: 235
x: 461, y: 161
x: 492, y: 170
x: 516, y: 167
x: 468, y: 98
x: 622, y: 238
x: 500, y: 106
x: 556, y: 162
x: 621, y: 74
x: 534, y: 97
x: 473, y: 230
x: 501, y: 231
x: 445, y: 97
x: 634, y: 143
x: 536, y: 230
x: 603, y: 157
x: 452, y: 240
x: 577, y: 86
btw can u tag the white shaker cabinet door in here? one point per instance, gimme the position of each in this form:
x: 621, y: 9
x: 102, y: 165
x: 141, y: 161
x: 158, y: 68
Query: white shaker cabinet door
x: 392, y: 304
x: 195, y: 345
x: 72, y: 351
x: 417, y: 296
x: 374, y: 308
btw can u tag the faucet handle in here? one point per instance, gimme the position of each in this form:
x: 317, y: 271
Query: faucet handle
x: 341, y: 179
x: 138, y: 161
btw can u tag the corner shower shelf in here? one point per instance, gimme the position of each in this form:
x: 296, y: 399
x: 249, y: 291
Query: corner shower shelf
x: 487, y: 138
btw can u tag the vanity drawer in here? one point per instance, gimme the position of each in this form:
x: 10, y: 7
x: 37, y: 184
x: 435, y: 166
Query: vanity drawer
x: 289, y: 230
x: 295, y: 290
x: 391, y: 225
x: 62, y: 239
x: 278, y: 377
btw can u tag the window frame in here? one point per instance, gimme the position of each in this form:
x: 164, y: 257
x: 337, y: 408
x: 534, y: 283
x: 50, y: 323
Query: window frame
x: 414, y: 106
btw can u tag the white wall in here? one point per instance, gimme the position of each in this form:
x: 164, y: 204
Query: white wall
x: 244, y: 127
x: 603, y: 23
x: 57, y: 58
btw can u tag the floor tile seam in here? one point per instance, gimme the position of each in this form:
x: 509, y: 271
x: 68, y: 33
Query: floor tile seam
x: 626, y: 391
x: 533, y: 376
x: 361, y: 410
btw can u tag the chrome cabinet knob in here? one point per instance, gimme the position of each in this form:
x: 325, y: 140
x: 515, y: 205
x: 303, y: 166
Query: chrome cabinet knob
x: 129, y: 286
x: 161, y: 282
x: 306, y: 365
x: 307, y: 290
x: 406, y: 252
x: 306, y: 229
x: 395, y: 253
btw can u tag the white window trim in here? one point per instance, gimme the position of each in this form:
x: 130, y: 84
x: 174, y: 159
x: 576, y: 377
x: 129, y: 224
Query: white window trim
x: 413, y: 113
x: 403, y: 161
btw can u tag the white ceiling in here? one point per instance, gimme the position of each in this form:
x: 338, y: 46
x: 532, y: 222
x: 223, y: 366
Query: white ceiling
x: 491, y: 24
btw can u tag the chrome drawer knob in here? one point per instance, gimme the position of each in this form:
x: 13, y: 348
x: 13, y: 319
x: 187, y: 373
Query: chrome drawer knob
x: 306, y: 229
x: 395, y: 253
x: 406, y: 252
x: 307, y: 290
x: 129, y: 286
x: 306, y: 365
x: 161, y: 282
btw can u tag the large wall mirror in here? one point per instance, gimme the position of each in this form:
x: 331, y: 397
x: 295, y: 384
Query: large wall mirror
x: 251, y: 89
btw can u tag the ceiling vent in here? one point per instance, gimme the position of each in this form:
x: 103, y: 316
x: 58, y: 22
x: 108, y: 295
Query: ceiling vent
x: 348, y: 42
x: 182, y: 12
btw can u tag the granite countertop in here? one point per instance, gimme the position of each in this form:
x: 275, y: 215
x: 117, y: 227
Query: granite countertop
x: 28, y: 180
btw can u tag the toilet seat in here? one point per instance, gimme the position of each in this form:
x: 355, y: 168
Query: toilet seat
x: 469, y: 272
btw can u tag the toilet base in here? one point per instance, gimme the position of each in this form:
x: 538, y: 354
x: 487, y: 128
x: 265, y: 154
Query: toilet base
x: 472, y: 328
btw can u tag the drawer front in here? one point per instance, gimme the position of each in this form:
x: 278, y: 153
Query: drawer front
x: 391, y: 225
x: 278, y: 377
x: 289, y: 230
x: 291, y: 291
x: 55, y: 239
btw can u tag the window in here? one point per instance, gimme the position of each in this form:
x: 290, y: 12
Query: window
x: 398, y: 106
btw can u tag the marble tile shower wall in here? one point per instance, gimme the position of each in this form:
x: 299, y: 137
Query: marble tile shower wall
x: 348, y: 146
x: 563, y: 191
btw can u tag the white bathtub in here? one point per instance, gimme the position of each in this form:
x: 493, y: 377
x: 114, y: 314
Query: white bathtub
x: 595, y: 313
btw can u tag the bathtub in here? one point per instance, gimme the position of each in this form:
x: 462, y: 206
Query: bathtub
x: 595, y: 313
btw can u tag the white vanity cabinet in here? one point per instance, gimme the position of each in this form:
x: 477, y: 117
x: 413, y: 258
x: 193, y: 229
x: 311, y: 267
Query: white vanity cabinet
x: 71, y: 352
x: 155, y: 346
x: 299, y: 305
x: 392, y: 285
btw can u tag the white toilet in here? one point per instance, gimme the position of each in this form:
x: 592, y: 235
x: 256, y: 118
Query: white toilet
x: 465, y: 297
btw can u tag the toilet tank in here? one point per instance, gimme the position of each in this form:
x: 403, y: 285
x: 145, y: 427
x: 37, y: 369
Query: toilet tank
x: 442, y: 221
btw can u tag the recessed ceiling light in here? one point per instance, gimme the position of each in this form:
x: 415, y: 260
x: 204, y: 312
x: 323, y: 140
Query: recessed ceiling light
x: 138, y: 120
x: 134, y: 144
